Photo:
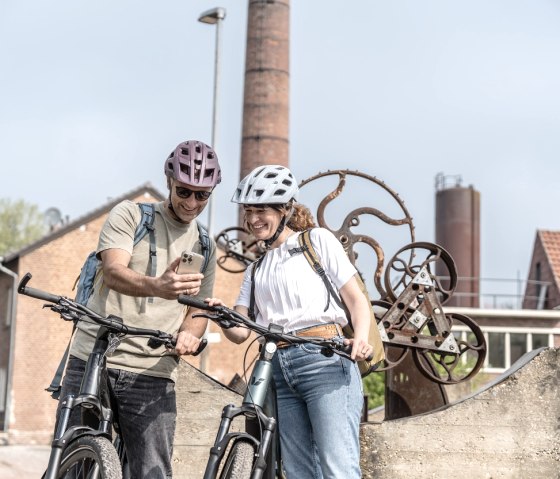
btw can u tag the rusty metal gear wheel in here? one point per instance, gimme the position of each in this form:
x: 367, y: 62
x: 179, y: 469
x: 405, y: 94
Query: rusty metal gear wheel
x: 427, y: 257
x: 394, y: 354
x: 461, y: 356
x: 238, y: 244
x: 344, y: 231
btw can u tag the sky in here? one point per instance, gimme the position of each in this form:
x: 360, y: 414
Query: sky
x: 94, y: 96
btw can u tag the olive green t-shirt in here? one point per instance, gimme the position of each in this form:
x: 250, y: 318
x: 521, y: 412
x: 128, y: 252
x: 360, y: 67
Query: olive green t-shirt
x: 172, y: 238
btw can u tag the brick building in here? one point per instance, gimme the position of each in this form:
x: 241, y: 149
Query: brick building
x: 32, y: 339
x: 543, y: 286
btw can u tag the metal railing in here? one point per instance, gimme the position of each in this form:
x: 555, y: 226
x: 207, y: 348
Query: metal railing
x: 503, y: 293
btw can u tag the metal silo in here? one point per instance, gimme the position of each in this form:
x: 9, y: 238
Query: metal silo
x: 458, y: 231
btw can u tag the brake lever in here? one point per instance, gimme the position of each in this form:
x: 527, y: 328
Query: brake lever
x: 64, y: 312
x: 213, y: 317
x: 222, y: 322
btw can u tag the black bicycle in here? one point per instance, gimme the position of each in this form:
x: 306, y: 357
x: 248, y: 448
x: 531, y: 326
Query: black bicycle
x: 87, y: 450
x: 254, y: 453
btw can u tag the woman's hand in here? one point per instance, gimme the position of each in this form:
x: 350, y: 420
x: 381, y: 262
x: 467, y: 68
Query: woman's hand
x: 214, y: 302
x: 360, y: 349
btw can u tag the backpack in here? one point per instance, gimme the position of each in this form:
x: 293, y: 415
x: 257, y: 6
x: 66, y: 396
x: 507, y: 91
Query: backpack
x: 84, y: 282
x: 306, y: 247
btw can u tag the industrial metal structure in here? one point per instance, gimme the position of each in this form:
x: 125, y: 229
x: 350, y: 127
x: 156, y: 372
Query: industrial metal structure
x: 458, y: 231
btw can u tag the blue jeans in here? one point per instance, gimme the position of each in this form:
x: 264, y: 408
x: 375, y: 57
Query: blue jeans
x: 146, y: 410
x: 320, y: 401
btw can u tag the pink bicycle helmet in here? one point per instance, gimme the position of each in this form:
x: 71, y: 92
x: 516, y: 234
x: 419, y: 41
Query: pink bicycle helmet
x: 194, y: 163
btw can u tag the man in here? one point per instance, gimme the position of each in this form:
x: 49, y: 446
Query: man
x: 143, y: 379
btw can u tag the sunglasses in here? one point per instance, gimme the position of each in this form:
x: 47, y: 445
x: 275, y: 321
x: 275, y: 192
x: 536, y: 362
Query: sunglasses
x: 185, y: 193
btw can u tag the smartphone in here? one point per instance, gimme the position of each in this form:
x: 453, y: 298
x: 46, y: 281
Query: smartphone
x: 190, y: 263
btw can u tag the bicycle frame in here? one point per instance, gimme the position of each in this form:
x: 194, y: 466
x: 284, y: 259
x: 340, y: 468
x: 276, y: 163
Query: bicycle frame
x: 259, y: 409
x: 94, y: 401
x: 93, y: 398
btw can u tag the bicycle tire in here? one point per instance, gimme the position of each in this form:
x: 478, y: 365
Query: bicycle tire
x: 91, y: 457
x: 239, y: 462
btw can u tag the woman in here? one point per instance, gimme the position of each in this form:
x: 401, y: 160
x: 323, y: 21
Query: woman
x: 319, y: 398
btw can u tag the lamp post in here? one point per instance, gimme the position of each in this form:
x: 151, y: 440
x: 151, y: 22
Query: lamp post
x: 215, y: 16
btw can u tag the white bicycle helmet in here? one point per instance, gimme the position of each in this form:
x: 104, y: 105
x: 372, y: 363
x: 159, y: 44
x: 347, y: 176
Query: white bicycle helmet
x: 267, y: 185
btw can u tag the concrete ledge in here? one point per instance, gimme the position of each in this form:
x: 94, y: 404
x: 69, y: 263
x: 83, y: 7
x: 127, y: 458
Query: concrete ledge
x: 510, y: 430
x: 200, y: 400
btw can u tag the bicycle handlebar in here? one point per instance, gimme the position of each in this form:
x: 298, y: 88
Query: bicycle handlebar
x: 36, y: 293
x: 227, y: 318
x: 196, y: 303
x: 113, y: 323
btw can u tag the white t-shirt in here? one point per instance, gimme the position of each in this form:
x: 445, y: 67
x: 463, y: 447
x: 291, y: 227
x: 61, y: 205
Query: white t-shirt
x: 289, y: 293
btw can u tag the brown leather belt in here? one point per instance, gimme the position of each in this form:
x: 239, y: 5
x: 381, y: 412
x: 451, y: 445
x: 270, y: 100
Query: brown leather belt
x: 324, y: 331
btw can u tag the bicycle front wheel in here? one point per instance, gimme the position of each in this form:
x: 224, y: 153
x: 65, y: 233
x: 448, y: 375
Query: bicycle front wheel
x: 239, y: 462
x: 90, y: 457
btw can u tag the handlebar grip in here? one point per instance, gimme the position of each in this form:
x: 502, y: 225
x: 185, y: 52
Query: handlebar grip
x: 201, y: 346
x: 194, y: 302
x: 36, y: 293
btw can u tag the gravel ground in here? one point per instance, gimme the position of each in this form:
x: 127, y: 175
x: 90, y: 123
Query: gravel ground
x: 23, y: 462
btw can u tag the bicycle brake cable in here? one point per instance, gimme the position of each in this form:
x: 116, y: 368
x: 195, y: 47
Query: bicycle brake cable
x: 114, y: 341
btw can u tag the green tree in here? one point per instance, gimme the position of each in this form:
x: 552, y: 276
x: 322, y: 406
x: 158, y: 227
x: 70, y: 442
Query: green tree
x: 374, y: 388
x: 21, y: 223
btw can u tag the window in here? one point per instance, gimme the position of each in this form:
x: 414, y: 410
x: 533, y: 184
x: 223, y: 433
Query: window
x: 517, y: 346
x: 496, y: 350
x: 540, y: 341
x: 506, y: 347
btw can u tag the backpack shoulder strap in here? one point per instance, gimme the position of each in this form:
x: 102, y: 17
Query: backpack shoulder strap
x: 146, y: 226
x: 205, y: 245
x: 310, y: 254
x: 251, y: 312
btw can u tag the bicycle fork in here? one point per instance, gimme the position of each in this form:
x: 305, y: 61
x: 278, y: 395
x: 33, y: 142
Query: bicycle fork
x: 262, y: 426
x: 90, y: 404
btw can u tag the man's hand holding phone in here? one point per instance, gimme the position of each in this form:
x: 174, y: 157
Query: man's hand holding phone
x: 190, y: 263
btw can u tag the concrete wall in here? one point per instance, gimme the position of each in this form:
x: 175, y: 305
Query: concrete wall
x: 510, y: 430
x: 200, y: 400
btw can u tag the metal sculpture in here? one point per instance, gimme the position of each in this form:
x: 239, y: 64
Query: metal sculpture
x: 446, y: 348
x: 414, y: 319
x: 238, y: 244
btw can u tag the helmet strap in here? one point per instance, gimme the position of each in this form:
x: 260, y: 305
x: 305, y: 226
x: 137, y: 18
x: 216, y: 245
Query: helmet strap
x: 172, y: 210
x: 268, y: 242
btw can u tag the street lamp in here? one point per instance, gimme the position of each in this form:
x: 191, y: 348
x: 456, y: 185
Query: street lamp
x: 214, y: 17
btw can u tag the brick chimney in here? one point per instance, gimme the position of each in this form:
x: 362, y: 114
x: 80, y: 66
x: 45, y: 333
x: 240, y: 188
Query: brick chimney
x: 266, y: 96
